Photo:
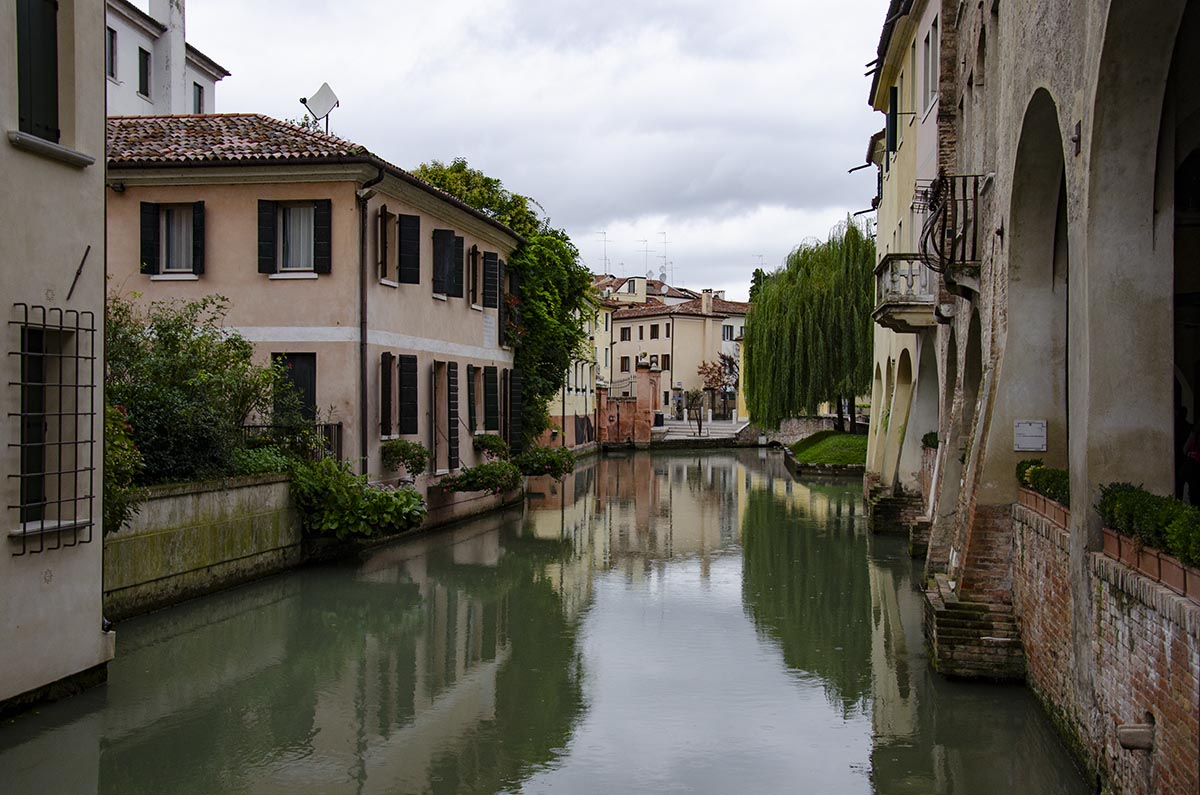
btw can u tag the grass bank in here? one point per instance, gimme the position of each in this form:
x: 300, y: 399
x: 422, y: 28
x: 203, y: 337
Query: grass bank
x: 831, y: 447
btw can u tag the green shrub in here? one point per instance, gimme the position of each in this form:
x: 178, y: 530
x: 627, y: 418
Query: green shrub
x: 1183, y: 535
x: 332, y: 500
x: 122, y: 464
x: 553, y: 461
x: 413, y: 456
x: 930, y: 440
x: 1160, y: 522
x: 493, y: 447
x: 1025, y: 466
x: 494, y: 476
x: 1050, y: 482
x: 260, y: 461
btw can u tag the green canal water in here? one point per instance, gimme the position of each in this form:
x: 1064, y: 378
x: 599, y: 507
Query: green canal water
x: 675, y: 623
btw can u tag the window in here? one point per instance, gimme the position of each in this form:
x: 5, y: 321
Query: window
x: 386, y: 232
x: 444, y: 431
x: 666, y: 361
x: 606, y: 354
x: 37, y: 68
x: 667, y: 329
x: 491, y: 399
x: 406, y: 393
x: 474, y: 393
x: 624, y: 364
x: 626, y: 334
x: 641, y: 332
x: 295, y: 237
x: 56, y: 429
x: 474, y: 279
x: 172, y: 238
x: 197, y: 98
x: 741, y: 331
x: 901, y: 95
x: 630, y: 287
x: 491, y: 279
x: 408, y: 257
x: 448, y: 260
x: 110, y: 53
x: 727, y: 332
x: 931, y: 56
x: 301, y: 372
x: 143, y: 73
x: 653, y: 331
x: 606, y: 317
x: 387, y: 376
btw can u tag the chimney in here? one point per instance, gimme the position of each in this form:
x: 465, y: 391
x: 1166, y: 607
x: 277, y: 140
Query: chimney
x: 170, y: 59
x: 706, y: 297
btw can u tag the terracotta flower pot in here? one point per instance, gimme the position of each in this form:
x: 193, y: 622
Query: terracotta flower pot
x: 1129, y: 554
x: 1148, y: 562
x: 1112, y: 543
x: 1171, y: 573
x: 1192, y: 583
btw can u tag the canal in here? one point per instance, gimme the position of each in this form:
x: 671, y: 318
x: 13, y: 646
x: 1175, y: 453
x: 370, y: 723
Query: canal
x: 653, y: 623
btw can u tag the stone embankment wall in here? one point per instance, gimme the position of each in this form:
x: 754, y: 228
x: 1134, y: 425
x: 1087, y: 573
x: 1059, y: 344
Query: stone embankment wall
x: 195, y: 538
x: 789, y: 432
x: 1145, y: 650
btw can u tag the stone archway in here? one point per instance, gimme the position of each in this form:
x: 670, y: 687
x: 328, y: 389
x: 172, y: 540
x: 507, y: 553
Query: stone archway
x: 898, y: 420
x: 877, y: 409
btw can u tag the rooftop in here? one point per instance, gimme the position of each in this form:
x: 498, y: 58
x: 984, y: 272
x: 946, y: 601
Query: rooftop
x: 693, y: 308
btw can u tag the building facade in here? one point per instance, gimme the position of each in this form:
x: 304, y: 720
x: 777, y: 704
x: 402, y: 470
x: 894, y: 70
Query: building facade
x: 52, y: 281
x: 151, y: 69
x: 384, y: 296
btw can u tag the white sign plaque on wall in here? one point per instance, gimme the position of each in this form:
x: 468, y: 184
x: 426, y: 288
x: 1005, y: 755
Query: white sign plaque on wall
x: 489, y: 331
x: 1029, y: 436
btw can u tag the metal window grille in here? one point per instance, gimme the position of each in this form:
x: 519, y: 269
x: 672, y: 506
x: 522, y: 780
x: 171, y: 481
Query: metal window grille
x: 52, y: 353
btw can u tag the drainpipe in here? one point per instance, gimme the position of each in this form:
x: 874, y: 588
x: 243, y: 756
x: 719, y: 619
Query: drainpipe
x: 363, y: 195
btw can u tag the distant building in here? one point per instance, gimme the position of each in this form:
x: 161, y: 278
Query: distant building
x: 51, y: 366
x: 151, y: 68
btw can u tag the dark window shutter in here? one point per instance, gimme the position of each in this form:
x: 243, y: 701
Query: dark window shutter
x: 408, y: 394
x: 456, y: 269
x: 386, y: 375
x: 502, y: 320
x: 37, y: 68
x: 490, y: 278
x: 473, y: 270
x: 322, y: 236
x: 409, y: 264
x: 516, y: 405
x: 198, y: 238
x: 268, y: 217
x: 491, y: 399
x: 471, y: 397
x: 382, y: 223
x: 443, y: 254
x: 433, y: 414
x: 452, y: 413
x: 150, y: 249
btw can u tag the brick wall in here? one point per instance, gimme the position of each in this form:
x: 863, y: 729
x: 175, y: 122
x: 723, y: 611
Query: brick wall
x: 1146, y: 658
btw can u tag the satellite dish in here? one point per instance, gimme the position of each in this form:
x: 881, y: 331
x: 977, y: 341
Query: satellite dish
x: 321, y: 104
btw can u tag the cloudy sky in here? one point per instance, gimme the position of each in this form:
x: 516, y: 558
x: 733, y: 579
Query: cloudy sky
x: 729, y: 126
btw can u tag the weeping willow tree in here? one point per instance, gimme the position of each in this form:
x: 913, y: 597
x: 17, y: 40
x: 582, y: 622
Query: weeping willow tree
x: 808, y: 334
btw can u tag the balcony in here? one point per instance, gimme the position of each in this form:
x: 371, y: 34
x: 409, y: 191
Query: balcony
x: 905, y: 293
x: 950, y: 239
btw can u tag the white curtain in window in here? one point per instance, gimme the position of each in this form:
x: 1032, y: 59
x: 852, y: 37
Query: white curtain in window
x: 177, y: 239
x: 297, y: 238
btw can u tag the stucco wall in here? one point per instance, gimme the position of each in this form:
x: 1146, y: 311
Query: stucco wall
x: 195, y: 538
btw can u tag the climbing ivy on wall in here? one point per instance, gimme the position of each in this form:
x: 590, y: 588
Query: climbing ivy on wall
x: 808, y: 334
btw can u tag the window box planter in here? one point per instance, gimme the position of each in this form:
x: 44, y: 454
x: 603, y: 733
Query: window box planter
x: 1155, y: 564
x: 1045, y: 506
x: 1129, y: 553
x: 1148, y: 563
x: 1172, y: 573
x: 1112, y: 543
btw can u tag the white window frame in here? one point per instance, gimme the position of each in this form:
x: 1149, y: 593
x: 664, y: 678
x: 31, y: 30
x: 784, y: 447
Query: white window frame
x: 281, y: 250
x: 167, y: 212
x: 197, y: 94
x: 110, y: 52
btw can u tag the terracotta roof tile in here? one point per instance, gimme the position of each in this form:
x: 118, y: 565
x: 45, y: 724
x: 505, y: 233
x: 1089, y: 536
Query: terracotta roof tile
x: 720, y: 308
x: 218, y: 138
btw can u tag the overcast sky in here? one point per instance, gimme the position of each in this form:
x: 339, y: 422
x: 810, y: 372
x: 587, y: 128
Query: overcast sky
x: 729, y: 126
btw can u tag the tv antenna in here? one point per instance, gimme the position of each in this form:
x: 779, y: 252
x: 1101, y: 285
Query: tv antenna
x: 665, y: 262
x: 604, y: 237
x: 645, y: 254
x: 321, y: 104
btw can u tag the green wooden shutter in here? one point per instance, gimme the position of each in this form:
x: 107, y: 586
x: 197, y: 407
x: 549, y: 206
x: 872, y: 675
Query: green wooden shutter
x: 198, y: 238
x: 37, y: 68
x: 473, y: 269
x: 385, y: 394
x: 490, y: 278
x: 407, y: 370
x: 322, y: 236
x: 491, y: 399
x: 502, y: 320
x: 382, y: 223
x: 150, y: 248
x: 452, y: 414
x: 268, y: 218
x: 458, y: 259
x: 516, y: 405
x: 471, y: 397
x: 443, y: 254
x: 408, y: 265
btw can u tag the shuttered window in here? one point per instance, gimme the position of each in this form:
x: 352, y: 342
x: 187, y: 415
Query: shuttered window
x: 491, y: 399
x: 384, y: 228
x: 267, y: 225
x: 172, y: 238
x: 407, y: 393
x: 491, y: 281
x: 296, y: 236
x: 502, y: 320
x: 408, y: 264
x: 443, y: 260
x: 37, y: 68
x: 471, y: 422
x: 452, y: 414
x: 454, y: 287
x: 516, y: 405
x: 473, y: 270
x: 323, y: 236
x: 386, y: 374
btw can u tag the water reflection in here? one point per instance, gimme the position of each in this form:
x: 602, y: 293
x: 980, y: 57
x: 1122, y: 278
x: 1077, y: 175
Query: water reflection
x: 651, y: 623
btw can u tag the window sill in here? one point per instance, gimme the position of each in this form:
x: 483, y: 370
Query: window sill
x: 389, y: 283
x: 477, y: 307
x: 440, y: 297
x: 47, y: 526
x: 40, y: 146
x: 174, y: 277
x: 439, y: 472
x: 389, y: 438
x: 293, y: 276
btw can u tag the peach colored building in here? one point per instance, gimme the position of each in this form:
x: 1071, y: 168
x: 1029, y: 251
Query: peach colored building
x: 385, y: 296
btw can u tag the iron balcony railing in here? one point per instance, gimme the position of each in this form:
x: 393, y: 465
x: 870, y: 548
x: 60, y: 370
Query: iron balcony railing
x: 901, y: 278
x: 314, y: 441
x: 950, y: 236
